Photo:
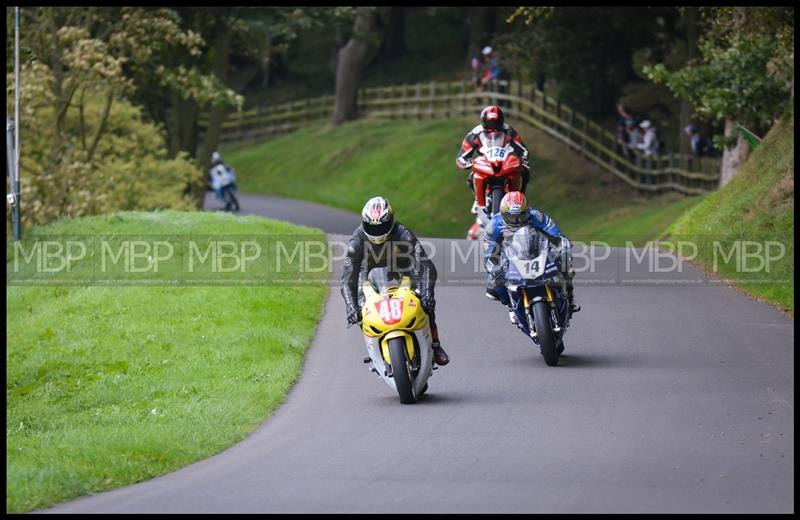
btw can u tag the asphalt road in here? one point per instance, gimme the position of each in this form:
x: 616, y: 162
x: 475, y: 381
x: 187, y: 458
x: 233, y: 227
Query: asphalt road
x: 671, y: 397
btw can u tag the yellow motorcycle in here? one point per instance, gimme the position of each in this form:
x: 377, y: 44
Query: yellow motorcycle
x: 397, y: 333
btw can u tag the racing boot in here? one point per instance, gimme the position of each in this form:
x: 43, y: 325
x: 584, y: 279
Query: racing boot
x: 512, y: 316
x: 439, y: 355
x: 492, y: 294
x: 573, y: 305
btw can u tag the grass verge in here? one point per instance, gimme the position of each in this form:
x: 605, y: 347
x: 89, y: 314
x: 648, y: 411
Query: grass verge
x: 755, y: 208
x: 110, y: 385
x: 413, y: 164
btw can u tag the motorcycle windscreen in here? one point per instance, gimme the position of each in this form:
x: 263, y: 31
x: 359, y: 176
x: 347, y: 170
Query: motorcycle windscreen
x: 493, y: 139
x: 528, y: 255
x: 382, y: 279
x: 493, y: 147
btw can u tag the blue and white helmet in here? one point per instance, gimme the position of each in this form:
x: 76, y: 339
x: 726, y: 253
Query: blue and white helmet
x: 377, y: 219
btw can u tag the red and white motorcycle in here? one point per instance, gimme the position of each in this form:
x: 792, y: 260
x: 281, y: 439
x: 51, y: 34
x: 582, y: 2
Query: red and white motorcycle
x: 496, y: 171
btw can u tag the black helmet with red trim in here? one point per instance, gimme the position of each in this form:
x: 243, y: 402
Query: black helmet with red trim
x: 492, y: 118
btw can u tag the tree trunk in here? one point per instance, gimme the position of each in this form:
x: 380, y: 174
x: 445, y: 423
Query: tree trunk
x: 189, y: 134
x: 692, y: 34
x: 733, y: 158
x: 217, y: 115
x: 338, y: 43
x: 182, y: 136
x: 101, y: 129
x: 394, y: 42
x: 173, y: 123
x: 352, y: 60
x: 266, y: 62
x: 182, y: 126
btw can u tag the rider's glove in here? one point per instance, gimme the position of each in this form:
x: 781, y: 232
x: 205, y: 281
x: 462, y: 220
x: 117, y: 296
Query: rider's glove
x: 496, y: 268
x: 467, y: 164
x: 353, y: 316
x: 564, y: 254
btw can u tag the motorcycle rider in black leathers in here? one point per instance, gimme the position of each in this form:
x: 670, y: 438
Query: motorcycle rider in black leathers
x: 386, y: 243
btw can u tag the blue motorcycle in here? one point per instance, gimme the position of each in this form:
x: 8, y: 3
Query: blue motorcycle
x: 537, y: 291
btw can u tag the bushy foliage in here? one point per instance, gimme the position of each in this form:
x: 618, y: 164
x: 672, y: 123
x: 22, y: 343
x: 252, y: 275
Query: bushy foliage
x: 731, y: 82
x: 587, y: 50
x: 746, y: 69
x: 127, y: 168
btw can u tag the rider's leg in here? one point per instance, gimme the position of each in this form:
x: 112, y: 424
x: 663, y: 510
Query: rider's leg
x: 565, y: 265
x: 474, y: 231
x: 439, y: 355
x: 227, y: 196
x: 496, y: 288
x: 573, y: 303
x: 526, y: 177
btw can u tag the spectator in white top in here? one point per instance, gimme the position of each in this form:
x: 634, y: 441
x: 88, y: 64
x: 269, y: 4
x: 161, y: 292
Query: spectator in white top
x: 649, y: 144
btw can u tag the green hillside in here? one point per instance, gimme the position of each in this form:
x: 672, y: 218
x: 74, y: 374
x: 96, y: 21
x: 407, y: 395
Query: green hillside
x: 413, y: 164
x: 757, y: 205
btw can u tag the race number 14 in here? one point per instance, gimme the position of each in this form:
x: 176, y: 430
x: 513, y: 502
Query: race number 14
x: 532, y: 267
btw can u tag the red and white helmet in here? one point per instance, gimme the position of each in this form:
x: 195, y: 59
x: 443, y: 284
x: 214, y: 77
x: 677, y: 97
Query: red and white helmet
x: 377, y: 219
x: 514, y: 210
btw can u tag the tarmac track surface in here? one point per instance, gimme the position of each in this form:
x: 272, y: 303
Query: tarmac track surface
x: 671, y: 397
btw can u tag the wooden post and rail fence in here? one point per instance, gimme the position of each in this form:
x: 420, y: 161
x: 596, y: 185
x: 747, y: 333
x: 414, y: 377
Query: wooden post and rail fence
x: 670, y: 171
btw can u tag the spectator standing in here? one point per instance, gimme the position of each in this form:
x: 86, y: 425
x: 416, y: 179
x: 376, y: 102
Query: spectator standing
x: 634, y: 137
x: 620, y: 131
x: 649, y: 144
x: 475, y: 66
x: 700, y: 145
x: 623, y: 113
x: 492, y: 73
x: 539, y: 80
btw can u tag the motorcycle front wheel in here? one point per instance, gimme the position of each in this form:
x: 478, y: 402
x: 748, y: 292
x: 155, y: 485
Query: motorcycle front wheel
x: 497, y: 197
x: 401, y: 370
x: 544, y: 333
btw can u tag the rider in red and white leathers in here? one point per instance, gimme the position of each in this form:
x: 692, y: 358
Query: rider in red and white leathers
x: 492, y: 120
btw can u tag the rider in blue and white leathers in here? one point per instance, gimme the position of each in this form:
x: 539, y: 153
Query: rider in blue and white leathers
x: 514, y: 214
